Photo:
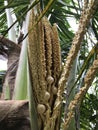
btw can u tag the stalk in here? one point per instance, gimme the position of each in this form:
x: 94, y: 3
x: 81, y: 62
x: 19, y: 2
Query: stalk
x: 11, y: 32
x: 79, y: 96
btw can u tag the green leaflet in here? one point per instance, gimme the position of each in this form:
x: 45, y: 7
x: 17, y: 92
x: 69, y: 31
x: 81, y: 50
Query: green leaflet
x: 20, y: 91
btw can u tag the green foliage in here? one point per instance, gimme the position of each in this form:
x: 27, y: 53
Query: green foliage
x: 21, y: 77
x: 89, y: 112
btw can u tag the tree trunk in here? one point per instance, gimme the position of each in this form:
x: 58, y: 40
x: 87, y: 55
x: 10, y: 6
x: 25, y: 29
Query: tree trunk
x: 14, y: 115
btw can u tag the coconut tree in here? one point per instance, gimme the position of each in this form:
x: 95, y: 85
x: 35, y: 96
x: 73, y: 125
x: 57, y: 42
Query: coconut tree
x: 53, y: 88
